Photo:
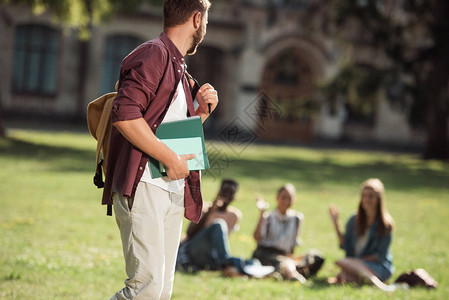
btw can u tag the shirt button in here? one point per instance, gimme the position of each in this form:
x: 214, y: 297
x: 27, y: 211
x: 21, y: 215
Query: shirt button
x: 182, y: 59
x: 154, y: 125
x: 179, y: 71
x: 140, y: 168
x: 174, y: 58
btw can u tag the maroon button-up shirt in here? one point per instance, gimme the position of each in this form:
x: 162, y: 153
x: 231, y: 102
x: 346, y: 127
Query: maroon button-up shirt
x: 149, y: 76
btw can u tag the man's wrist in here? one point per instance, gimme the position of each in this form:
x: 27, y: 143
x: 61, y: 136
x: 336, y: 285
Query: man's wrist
x: 169, y: 158
x: 172, y: 160
x: 202, y: 115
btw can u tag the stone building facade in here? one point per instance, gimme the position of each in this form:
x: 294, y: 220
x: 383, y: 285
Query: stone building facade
x: 264, y: 57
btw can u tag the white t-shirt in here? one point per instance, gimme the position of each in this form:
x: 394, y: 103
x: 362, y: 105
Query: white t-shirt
x: 176, y: 111
x: 281, y: 231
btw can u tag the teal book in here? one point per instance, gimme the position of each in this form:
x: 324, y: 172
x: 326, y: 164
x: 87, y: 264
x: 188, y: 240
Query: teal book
x: 183, y: 137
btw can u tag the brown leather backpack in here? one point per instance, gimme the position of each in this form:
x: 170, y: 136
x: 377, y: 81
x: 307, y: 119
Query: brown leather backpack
x: 99, y: 124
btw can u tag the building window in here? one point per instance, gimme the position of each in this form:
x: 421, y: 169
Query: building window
x: 117, y: 47
x: 36, y: 51
x: 289, y: 73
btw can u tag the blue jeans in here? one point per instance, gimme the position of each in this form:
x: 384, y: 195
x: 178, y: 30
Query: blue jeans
x: 378, y: 269
x: 209, y: 248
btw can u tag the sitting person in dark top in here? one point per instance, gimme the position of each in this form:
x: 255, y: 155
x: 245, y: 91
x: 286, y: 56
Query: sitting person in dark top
x: 206, y: 245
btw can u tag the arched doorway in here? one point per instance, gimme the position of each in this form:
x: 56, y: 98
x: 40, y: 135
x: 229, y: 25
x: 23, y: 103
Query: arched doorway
x: 288, y: 83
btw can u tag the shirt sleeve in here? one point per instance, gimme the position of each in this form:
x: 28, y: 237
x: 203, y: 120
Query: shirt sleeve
x: 298, y: 240
x: 264, y: 228
x: 349, y: 242
x: 140, y: 76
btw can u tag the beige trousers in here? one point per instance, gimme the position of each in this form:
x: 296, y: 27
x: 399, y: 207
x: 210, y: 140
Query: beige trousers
x: 150, y: 233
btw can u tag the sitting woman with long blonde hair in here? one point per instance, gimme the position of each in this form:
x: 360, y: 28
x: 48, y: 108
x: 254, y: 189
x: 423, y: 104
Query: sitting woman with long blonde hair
x: 367, y: 239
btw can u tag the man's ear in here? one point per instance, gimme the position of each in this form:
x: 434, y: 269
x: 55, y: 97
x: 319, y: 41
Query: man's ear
x: 197, y: 20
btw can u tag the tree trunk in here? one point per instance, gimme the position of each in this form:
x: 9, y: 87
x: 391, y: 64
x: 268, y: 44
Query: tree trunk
x: 437, y: 146
x: 437, y: 95
x: 2, y: 122
x: 2, y: 125
x: 438, y: 87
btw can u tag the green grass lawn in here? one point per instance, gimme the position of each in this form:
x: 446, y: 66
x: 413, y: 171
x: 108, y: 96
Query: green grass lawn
x: 57, y: 243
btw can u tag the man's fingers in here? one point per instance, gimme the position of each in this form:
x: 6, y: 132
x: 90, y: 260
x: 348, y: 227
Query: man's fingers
x: 205, y: 87
x: 188, y: 156
x: 209, y: 93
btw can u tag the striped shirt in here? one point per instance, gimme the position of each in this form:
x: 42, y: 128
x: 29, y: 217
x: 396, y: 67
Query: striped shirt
x: 281, y: 231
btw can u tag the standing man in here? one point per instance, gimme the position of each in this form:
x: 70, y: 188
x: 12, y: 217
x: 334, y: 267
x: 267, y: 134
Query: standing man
x: 153, y: 89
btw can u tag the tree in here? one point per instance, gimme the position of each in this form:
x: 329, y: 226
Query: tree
x: 2, y: 123
x: 411, y: 36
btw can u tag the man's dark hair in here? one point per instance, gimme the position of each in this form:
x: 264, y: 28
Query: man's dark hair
x: 177, y: 12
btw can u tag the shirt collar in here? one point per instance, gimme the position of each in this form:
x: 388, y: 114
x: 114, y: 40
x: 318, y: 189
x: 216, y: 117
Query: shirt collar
x: 175, y: 54
x: 282, y: 217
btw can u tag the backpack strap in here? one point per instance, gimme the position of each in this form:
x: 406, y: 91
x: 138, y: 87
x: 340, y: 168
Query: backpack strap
x: 193, y: 89
x: 109, y: 210
x: 102, y: 130
x: 104, y: 126
x: 98, y: 177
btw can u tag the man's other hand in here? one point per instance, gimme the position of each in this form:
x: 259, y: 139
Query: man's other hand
x: 178, y: 169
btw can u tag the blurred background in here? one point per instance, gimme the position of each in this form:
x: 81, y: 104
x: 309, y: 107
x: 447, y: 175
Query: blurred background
x: 372, y: 72
x: 352, y: 79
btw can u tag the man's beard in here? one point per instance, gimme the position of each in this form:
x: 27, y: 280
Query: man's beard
x: 197, y: 39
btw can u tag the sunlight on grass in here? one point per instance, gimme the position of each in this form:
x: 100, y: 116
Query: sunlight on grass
x: 57, y: 243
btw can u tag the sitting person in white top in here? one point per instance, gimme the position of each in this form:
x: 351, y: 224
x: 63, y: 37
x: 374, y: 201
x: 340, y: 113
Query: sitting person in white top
x: 277, y: 234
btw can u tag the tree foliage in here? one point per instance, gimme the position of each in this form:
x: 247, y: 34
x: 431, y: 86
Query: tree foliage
x: 355, y: 82
x: 410, y: 37
x: 82, y: 14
